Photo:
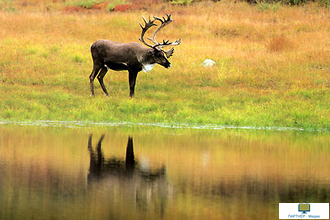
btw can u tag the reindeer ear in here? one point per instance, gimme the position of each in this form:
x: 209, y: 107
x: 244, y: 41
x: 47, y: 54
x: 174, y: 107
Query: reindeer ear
x: 169, y: 52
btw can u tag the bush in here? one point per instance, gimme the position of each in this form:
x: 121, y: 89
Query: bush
x: 276, y: 3
x: 111, y: 6
x: 181, y: 2
x: 86, y: 3
x: 294, y: 2
x: 324, y: 3
x: 262, y: 6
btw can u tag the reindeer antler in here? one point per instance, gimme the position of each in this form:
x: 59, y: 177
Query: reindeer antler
x: 146, y: 27
x: 164, y: 21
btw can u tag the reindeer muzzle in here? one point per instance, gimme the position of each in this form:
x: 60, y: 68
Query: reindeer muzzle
x: 167, y: 65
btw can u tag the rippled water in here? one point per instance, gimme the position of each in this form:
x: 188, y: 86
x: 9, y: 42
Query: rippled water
x: 134, y: 173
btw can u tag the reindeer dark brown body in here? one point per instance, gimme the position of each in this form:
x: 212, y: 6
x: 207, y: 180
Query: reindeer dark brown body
x: 120, y: 56
x: 133, y: 57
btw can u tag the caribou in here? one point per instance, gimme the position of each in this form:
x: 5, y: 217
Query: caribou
x: 132, y: 57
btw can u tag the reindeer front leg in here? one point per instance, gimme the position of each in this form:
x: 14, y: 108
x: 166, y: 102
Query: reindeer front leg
x: 96, y: 69
x: 100, y: 77
x: 132, y: 79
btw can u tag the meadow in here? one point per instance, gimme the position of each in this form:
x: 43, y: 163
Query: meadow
x: 272, y: 66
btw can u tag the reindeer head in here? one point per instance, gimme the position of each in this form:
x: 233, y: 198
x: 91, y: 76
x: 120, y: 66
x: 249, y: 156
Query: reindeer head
x: 157, y: 48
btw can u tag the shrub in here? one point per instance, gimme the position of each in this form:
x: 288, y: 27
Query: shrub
x: 324, y: 3
x: 181, y: 2
x: 294, y: 2
x: 263, y: 6
x: 111, y: 6
x: 86, y: 3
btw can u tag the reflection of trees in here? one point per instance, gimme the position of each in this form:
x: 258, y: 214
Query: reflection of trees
x: 126, y: 181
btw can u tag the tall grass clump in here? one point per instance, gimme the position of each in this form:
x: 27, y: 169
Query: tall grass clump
x: 279, y: 43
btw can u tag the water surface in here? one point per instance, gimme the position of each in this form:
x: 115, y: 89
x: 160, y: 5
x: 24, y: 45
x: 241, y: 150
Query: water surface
x: 134, y: 173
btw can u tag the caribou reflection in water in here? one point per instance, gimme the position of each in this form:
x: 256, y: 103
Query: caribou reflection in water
x: 126, y: 181
x: 101, y: 167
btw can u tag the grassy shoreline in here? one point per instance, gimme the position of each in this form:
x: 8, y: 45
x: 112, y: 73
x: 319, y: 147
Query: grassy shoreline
x: 147, y: 126
x: 272, y: 70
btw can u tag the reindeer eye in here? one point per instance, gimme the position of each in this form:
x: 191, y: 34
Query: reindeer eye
x: 158, y: 53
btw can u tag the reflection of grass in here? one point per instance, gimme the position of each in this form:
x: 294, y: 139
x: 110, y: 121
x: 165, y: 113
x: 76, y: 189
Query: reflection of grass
x: 272, y: 68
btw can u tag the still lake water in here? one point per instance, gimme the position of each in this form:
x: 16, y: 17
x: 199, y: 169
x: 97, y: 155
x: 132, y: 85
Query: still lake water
x: 134, y: 173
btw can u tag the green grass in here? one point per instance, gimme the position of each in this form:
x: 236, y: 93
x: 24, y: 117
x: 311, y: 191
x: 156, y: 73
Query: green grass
x: 261, y: 79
